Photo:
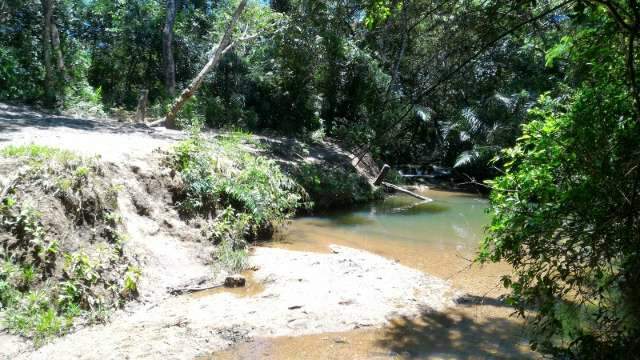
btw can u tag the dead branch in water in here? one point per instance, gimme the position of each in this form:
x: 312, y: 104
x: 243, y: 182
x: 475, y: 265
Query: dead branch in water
x: 405, y: 191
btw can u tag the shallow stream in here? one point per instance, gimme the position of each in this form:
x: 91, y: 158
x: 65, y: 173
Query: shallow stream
x: 439, y: 238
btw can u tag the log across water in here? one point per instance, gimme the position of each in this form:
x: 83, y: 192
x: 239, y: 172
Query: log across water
x: 379, y: 181
x: 405, y: 191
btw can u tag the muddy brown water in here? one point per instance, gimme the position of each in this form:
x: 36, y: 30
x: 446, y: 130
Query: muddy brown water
x: 438, y: 238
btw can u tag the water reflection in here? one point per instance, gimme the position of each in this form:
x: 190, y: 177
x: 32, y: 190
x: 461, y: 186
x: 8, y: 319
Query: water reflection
x: 351, y: 220
x: 451, y: 221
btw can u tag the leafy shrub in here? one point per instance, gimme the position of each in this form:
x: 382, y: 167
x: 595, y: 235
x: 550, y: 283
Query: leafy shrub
x: 17, y: 81
x: 34, y: 315
x: 130, y: 282
x: 225, y: 173
x: 229, y: 230
x: 334, y: 186
x: 246, y: 193
x: 562, y: 215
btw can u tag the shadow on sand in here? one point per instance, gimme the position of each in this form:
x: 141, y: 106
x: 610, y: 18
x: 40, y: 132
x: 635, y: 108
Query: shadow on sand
x: 15, y: 118
x: 458, y: 334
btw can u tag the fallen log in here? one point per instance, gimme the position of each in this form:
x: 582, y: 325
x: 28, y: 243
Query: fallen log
x: 405, y: 191
x: 409, y: 207
x: 379, y: 181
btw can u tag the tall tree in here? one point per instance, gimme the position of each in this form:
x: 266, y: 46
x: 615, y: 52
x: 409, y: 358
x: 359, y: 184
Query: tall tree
x: 566, y: 210
x: 49, y: 81
x: 167, y: 49
x: 55, y: 74
x: 223, y: 46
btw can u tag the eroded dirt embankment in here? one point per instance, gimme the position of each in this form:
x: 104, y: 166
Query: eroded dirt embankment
x: 304, y: 293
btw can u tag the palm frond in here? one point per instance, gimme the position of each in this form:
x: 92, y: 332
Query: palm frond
x: 471, y: 121
x: 466, y: 158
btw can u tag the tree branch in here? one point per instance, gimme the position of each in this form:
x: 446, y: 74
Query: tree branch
x: 462, y: 65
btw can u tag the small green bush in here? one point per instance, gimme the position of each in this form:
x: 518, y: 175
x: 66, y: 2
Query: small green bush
x: 246, y: 194
x: 331, y: 187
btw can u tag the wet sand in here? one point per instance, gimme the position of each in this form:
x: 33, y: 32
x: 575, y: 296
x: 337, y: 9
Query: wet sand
x: 478, y: 327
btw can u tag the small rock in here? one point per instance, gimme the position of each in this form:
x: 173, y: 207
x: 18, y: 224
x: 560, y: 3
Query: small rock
x: 167, y: 224
x: 234, y: 281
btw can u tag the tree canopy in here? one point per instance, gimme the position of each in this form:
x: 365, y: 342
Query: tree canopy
x: 539, y: 98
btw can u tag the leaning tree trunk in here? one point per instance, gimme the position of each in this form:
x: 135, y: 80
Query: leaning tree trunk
x: 223, y: 46
x: 167, y: 49
x: 49, y: 82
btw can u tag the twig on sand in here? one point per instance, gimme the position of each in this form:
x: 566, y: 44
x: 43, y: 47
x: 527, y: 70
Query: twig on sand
x: 190, y: 290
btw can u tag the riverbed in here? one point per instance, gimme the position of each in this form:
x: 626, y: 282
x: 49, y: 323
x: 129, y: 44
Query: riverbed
x: 439, y: 238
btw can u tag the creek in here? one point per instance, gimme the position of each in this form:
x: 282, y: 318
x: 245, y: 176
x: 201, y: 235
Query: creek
x: 439, y: 238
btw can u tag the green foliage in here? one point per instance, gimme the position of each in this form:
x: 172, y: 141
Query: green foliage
x: 346, y: 70
x: 247, y: 193
x: 377, y: 12
x: 229, y: 230
x: 565, y: 212
x: 34, y: 316
x: 331, y: 186
x: 190, y: 116
x: 37, y: 153
x: 12, y: 74
x: 79, y: 95
x: 130, y: 283
x: 46, y: 283
x: 20, y: 71
x: 226, y: 173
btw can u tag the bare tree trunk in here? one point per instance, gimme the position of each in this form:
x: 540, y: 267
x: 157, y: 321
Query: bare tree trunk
x: 49, y: 81
x: 167, y: 49
x: 223, y: 46
x: 57, y: 49
x: 143, y: 100
x: 61, y: 77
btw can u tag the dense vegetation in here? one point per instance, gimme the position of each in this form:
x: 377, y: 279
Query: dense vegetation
x: 566, y: 210
x: 369, y: 73
x: 244, y: 196
x: 539, y: 97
